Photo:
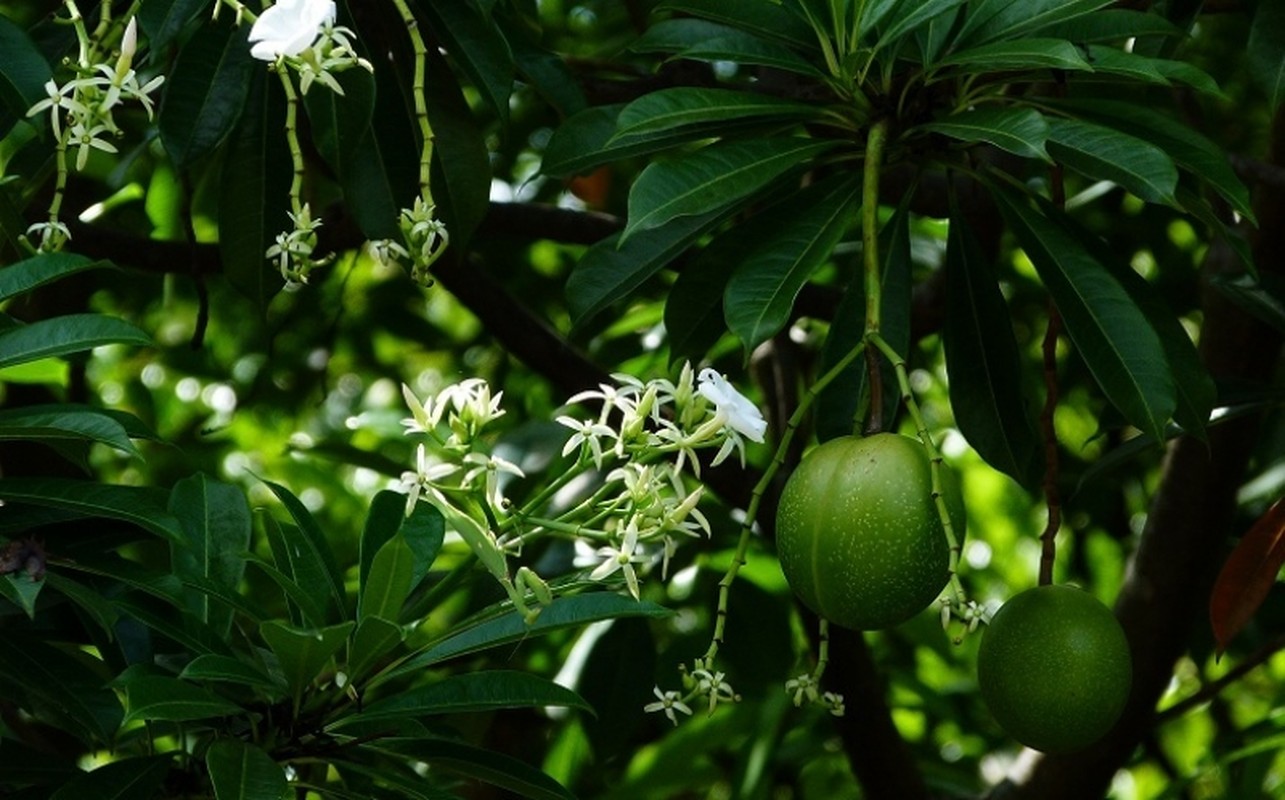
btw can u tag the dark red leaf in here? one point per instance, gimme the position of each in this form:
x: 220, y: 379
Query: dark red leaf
x: 1248, y: 575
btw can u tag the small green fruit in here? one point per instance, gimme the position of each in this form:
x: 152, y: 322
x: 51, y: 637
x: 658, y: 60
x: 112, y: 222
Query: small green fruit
x: 858, y: 532
x: 1054, y: 668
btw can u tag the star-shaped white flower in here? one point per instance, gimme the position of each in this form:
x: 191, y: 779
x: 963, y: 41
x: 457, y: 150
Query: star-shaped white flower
x: 621, y: 559
x: 740, y: 414
x: 668, y: 702
x: 491, y: 467
x: 587, y: 433
x: 289, y: 27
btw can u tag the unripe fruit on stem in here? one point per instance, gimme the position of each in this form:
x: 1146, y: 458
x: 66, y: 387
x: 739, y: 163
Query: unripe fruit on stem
x: 858, y: 532
x: 1054, y: 668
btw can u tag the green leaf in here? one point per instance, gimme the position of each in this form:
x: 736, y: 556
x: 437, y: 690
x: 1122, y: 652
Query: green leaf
x: 22, y: 590
x: 303, y: 652
x: 784, y: 251
x: 304, y: 606
x: 310, y: 556
x: 474, y: 41
x: 142, y: 506
x: 341, y: 121
x: 255, y: 179
x: 389, y: 582
x: 991, y: 20
x: 609, y: 271
x: 58, y: 688
x: 1112, y: 25
x: 1263, y: 297
x: 1021, y: 55
x: 1022, y: 131
x: 587, y: 140
x: 1189, y: 149
x: 54, y: 423
x: 423, y: 531
x: 163, y: 20
x: 60, y: 336
x: 1106, y: 154
x: 461, y: 169
x: 192, y: 634
x: 909, y: 16
x: 983, y: 362
x: 43, y: 269
x: 714, y: 177
x: 694, y: 318
x: 156, y: 697
x: 1266, y: 50
x: 23, y: 71
x: 93, y: 604
x: 564, y: 612
x: 216, y: 523
x: 126, y: 779
x: 699, y: 39
x: 475, y: 691
x: 226, y: 669
x: 667, y: 109
x: 1111, y: 333
x: 374, y: 638
x: 769, y: 20
x: 242, y: 771
x: 494, y: 768
x: 205, y: 93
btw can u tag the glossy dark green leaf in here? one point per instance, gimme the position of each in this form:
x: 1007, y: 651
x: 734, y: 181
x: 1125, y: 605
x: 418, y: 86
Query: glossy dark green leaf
x: 423, y: 532
x: 126, y: 779
x: 59, y: 688
x: 205, y: 93
x: 94, y: 605
x: 907, y: 17
x: 475, y: 691
x: 489, y: 766
x: 142, y: 506
x: 682, y: 106
x: 609, y: 271
x: 1266, y: 50
x: 1022, y: 131
x: 241, y: 771
x: 253, y: 192
x: 163, y: 20
x: 53, y: 423
x: 225, y: 596
x: 226, y: 669
x: 23, y: 71
x: 303, y: 652
x: 543, y: 69
x: 712, y: 178
x: 983, y: 362
x: 310, y: 554
x: 341, y: 121
x: 461, y: 161
x: 796, y: 239
x: 1189, y: 149
x: 694, y: 305
x: 160, y: 584
x: 1112, y: 25
x: 156, y: 697
x: 768, y: 20
x: 22, y: 590
x: 407, y: 784
x: 993, y: 20
x: 1264, y: 296
x: 474, y: 41
x: 182, y: 629
x: 216, y: 524
x: 1021, y: 55
x: 564, y: 612
x: 60, y: 336
x: 580, y: 143
x: 1108, y: 329
x: 374, y: 638
x: 703, y: 40
x: 389, y: 582
x: 1107, y: 154
x: 43, y: 269
x: 305, y: 606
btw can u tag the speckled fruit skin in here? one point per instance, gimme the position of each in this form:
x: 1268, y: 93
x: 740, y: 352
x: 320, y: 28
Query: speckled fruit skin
x: 858, y: 533
x: 1054, y: 668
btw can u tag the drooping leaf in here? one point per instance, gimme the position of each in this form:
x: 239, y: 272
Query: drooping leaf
x: 489, y: 766
x: 126, y: 779
x: 157, y: 697
x: 226, y: 669
x: 163, y: 20
x: 1107, y: 154
x: 22, y: 590
x: 907, y: 17
x: 1264, y: 296
x: 216, y: 524
x: 53, y: 423
x: 205, y: 93
x: 683, y: 106
x: 694, y: 306
x: 340, y: 122
x: 476, y: 43
x: 713, y: 178
x: 43, y: 269
x: 182, y: 629
x: 142, y: 506
x: 241, y: 771
x: 310, y: 552
x: 303, y: 652
x: 374, y: 638
x: 461, y: 169
x: 1248, y: 575
x: 475, y: 691
x: 1022, y: 131
x: 23, y: 71
x: 768, y: 20
x: 1160, y: 71
x: 304, y: 606
x: 59, y: 688
x: 1266, y: 50
x: 983, y: 362
x: 60, y: 336
x: 1021, y: 55
x: 994, y: 20
x: 783, y: 253
x: 94, y: 605
x: 1112, y: 25
x: 1109, y: 330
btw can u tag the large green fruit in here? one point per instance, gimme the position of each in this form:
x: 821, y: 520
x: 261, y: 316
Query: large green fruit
x: 858, y: 532
x: 1054, y: 668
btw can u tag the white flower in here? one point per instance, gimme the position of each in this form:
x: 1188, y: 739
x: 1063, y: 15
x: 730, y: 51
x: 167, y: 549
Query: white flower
x: 587, y: 432
x: 621, y: 558
x: 289, y: 27
x: 491, y: 467
x: 715, y: 686
x: 742, y: 416
x: 804, y: 686
x: 424, y: 476
x: 668, y: 703
x: 834, y: 703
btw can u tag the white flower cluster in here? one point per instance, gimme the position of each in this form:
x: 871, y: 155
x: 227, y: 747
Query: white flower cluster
x: 302, y: 35
x: 807, y: 687
x: 293, y: 249
x: 426, y: 239
x: 702, y: 684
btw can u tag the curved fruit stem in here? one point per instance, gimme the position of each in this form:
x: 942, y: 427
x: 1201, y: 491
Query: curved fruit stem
x: 421, y: 104
x: 756, y: 496
x: 934, y: 460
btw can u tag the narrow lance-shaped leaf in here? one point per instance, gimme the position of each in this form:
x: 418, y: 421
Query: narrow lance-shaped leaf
x: 1021, y: 131
x: 485, y: 765
x: 374, y: 638
x: 126, y: 779
x: 310, y: 553
x: 475, y: 43
x: 983, y: 362
x: 687, y: 105
x: 52, y: 423
x: 1109, y: 330
x: 389, y: 581
x: 242, y: 771
x: 477, y: 691
x: 142, y: 506
x: 60, y: 336
x: 1107, y: 154
x: 769, y: 20
x: 1266, y: 50
x: 43, y: 269
x: 1021, y: 55
x: 23, y: 70
x: 205, y: 93
x: 216, y: 522
x: 303, y: 652
x: 59, y: 688
x: 712, y: 178
x: 156, y: 697
x: 1248, y: 575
